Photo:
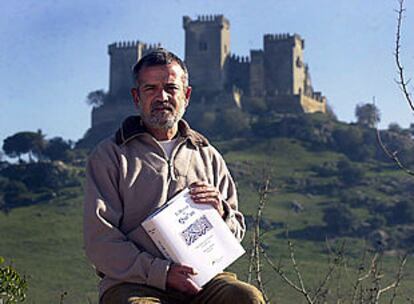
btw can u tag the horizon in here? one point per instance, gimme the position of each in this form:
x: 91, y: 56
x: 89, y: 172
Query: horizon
x: 57, y: 52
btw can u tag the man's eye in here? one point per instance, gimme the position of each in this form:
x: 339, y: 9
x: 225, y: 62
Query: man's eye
x: 172, y: 88
x: 148, y: 89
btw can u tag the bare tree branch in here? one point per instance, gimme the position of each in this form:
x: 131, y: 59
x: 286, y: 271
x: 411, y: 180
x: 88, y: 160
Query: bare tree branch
x: 392, y: 155
x: 399, y: 278
x: 298, y: 273
x: 402, y: 82
x: 337, y: 259
x: 255, y: 264
x: 278, y: 269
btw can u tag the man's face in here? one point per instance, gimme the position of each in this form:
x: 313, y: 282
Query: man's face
x: 161, y: 95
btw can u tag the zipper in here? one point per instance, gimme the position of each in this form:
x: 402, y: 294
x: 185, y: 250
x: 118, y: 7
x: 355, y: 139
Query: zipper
x: 171, y: 172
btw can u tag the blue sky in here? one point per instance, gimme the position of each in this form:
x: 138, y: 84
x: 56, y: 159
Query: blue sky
x: 54, y: 52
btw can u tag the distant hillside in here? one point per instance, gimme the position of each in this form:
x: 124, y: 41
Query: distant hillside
x: 332, y: 183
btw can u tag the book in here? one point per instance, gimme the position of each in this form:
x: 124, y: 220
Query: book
x: 195, y: 235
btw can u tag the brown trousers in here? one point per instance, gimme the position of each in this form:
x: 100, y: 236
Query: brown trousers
x: 224, y: 288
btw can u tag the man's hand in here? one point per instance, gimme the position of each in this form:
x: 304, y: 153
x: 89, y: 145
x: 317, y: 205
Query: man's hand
x: 178, y: 278
x: 203, y: 193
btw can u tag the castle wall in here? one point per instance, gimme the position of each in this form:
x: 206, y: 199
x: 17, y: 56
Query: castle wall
x: 207, y: 46
x: 113, y: 112
x: 237, y: 73
x: 283, y: 62
x: 256, y: 73
x: 123, y: 56
x: 312, y: 104
x: 285, y: 103
x: 299, y: 67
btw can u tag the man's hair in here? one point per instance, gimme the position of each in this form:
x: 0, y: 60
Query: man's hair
x: 159, y: 56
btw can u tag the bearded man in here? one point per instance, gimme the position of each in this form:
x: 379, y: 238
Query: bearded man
x: 151, y: 158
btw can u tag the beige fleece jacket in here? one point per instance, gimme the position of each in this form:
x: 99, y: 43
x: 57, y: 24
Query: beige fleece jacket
x: 127, y: 178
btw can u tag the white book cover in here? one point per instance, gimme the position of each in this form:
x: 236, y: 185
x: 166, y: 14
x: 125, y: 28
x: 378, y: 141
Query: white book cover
x: 195, y: 235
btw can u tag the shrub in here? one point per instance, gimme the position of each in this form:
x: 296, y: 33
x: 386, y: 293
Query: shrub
x: 349, y: 173
x: 340, y: 219
x: 12, y: 285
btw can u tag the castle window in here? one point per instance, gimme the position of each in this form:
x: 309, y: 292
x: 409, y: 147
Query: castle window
x: 202, y: 46
x: 299, y: 62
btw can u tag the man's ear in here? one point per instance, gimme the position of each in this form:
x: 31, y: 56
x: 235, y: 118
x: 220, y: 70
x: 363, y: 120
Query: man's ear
x: 188, y: 95
x: 135, y: 96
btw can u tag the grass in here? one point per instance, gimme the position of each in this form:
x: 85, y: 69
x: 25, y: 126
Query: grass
x: 45, y: 241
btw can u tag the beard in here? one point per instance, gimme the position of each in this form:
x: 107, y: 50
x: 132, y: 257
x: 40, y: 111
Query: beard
x: 162, y: 115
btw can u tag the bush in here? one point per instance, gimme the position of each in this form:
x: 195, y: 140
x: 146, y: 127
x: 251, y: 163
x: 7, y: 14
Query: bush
x: 233, y: 122
x: 401, y: 213
x: 349, y: 173
x: 340, y: 220
x: 327, y: 169
x: 12, y: 285
x: 51, y: 175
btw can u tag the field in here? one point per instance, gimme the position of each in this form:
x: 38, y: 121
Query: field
x: 44, y: 241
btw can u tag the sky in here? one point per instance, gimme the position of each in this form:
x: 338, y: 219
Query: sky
x: 54, y: 52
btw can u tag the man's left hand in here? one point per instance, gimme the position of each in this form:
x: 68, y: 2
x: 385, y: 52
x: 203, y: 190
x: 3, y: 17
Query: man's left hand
x: 203, y: 193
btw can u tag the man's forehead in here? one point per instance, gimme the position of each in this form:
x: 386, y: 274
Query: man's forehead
x: 171, y: 72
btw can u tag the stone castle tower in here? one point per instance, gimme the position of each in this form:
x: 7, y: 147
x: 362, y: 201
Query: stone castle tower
x: 118, y: 104
x: 274, y: 78
x: 207, y: 47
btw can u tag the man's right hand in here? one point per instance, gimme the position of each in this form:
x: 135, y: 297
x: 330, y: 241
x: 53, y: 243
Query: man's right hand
x: 178, y: 278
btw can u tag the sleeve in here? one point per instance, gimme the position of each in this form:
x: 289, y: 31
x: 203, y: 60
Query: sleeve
x: 106, y: 246
x: 224, y: 182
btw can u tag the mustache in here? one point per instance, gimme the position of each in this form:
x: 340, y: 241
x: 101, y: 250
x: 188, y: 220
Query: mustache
x: 161, y: 105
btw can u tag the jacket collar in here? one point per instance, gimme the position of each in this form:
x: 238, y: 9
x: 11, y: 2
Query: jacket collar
x: 133, y: 127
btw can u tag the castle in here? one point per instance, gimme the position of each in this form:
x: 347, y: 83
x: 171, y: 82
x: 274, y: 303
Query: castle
x: 274, y: 78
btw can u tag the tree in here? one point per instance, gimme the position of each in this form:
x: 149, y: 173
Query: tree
x: 395, y: 127
x: 330, y: 112
x: 233, y: 122
x: 96, y: 98
x: 350, y: 141
x: 368, y: 115
x: 57, y: 148
x: 25, y: 142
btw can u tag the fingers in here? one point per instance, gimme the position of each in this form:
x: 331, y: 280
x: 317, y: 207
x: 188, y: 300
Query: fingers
x: 202, y: 189
x: 203, y: 193
x: 191, y: 287
x: 184, y: 269
x: 179, y: 278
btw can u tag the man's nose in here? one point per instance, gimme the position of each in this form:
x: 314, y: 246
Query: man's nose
x: 163, y: 95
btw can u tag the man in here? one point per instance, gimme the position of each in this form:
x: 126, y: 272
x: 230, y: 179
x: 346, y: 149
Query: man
x: 150, y: 159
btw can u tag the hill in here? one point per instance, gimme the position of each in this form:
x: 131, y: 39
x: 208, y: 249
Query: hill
x: 322, y: 194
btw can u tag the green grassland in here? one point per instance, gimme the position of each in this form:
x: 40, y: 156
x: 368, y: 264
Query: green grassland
x: 44, y: 241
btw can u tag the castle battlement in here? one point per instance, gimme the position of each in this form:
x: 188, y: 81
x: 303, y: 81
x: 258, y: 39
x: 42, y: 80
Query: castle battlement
x: 269, y: 38
x: 283, y: 38
x: 239, y: 59
x: 150, y: 46
x: 318, y: 96
x: 124, y: 45
x: 127, y: 45
x: 219, y: 20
